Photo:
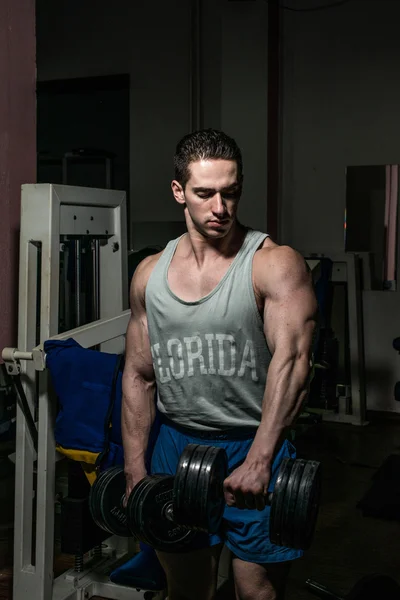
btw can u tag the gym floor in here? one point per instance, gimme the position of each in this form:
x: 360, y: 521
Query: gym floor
x: 347, y: 545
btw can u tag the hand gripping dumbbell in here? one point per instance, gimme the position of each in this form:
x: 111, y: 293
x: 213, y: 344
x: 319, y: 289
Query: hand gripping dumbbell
x: 166, y: 511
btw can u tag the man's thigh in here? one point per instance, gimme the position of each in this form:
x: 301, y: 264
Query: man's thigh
x: 191, y: 575
x: 260, y: 581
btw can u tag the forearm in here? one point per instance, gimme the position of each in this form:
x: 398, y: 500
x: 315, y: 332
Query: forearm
x: 285, y: 392
x: 138, y: 413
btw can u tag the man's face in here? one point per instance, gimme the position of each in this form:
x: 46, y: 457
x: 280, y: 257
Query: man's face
x: 211, y: 196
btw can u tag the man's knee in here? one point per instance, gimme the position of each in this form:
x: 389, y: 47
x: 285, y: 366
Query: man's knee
x: 192, y: 575
x: 260, y: 581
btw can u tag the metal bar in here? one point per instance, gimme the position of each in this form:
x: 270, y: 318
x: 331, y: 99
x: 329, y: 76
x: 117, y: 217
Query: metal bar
x: 25, y: 453
x: 98, y: 332
x: 67, y: 287
x: 96, y: 279
x: 390, y: 262
x: 351, y: 277
x: 45, y: 494
x: 16, y: 381
x: 321, y: 591
x: 356, y: 340
x: 13, y: 354
x: 89, y: 335
x: 77, y: 282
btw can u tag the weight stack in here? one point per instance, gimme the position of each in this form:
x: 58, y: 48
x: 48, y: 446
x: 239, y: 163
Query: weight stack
x: 78, y: 531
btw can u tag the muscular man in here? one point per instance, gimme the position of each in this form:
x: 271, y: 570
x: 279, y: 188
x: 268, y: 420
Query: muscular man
x: 217, y: 311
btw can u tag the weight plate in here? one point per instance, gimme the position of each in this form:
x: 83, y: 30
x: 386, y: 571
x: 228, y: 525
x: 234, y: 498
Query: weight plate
x: 210, y: 493
x: 289, y: 506
x: 94, y: 502
x: 95, y: 499
x: 278, y: 500
x: 155, y: 528
x: 133, y: 504
x: 102, y: 483
x: 180, y: 483
x: 307, y: 505
x: 113, y: 515
x: 193, y: 505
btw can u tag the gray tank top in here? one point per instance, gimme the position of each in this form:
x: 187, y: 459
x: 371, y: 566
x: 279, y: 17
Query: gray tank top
x: 210, y: 356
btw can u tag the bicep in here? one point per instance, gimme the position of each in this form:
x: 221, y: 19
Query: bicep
x: 290, y: 315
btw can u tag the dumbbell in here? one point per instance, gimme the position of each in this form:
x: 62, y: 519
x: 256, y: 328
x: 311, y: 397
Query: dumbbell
x: 167, y: 511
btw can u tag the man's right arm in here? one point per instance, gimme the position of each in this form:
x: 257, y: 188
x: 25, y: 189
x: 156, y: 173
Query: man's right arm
x: 138, y: 382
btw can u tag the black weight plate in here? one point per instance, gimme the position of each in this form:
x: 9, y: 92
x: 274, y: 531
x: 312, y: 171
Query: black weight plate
x: 292, y: 489
x: 112, y: 512
x: 158, y: 531
x: 94, y: 502
x: 307, y: 506
x: 192, y: 501
x: 102, y: 485
x: 210, y: 493
x: 95, y: 499
x: 202, y: 487
x: 132, y: 505
x: 278, y: 499
x: 196, y: 488
x: 180, y: 482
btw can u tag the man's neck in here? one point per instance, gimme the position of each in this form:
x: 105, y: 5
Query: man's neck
x: 205, y: 250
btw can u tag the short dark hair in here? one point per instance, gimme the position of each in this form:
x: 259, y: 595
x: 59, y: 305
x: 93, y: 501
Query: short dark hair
x: 205, y: 145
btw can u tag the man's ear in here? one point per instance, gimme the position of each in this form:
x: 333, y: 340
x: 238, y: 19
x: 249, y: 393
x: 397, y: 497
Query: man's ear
x: 178, y: 192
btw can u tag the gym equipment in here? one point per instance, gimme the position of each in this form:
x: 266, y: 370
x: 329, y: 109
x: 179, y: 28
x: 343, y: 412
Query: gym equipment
x: 166, y: 512
x: 370, y: 587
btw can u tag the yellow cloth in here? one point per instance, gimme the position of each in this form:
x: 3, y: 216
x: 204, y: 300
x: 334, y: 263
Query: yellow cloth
x: 85, y: 458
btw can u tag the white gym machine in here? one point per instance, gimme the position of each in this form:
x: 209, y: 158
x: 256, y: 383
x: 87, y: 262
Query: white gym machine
x: 346, y: 269
x: 49, y: 215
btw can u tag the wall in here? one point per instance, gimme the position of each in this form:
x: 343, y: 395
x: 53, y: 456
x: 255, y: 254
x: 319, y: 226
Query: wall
x: 341, y: 99
x: 151, y: 41
x: 244, y: 99
x: 17, y: 145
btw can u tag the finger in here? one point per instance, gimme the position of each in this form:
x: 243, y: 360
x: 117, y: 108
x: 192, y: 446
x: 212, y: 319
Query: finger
x: 250, y: 501
x: 229, y: 498
x: 126, y: 497
x: 240, y: 501
x: 260, y: 502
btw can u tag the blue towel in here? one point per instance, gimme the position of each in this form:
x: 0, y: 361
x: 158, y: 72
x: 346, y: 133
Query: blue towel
x: 88, y: 386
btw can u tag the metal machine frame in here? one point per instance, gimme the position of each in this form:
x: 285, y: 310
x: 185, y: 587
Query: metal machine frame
x: 347, y: 269
x: 48, y: 212
x: 94, y: 579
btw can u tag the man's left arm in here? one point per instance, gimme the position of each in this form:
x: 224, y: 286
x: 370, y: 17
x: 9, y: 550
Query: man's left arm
x: 284, y: 284
x: 290, y: 310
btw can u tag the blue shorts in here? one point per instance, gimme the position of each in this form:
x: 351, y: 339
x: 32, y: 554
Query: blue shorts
x: 244, y: 532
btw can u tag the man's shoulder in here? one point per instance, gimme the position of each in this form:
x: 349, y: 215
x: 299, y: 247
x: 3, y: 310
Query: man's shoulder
x: 141, y: 277
x: 274, y: 264
x: 145, y: 269
x: 270, y: 251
